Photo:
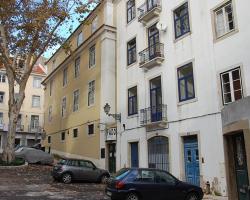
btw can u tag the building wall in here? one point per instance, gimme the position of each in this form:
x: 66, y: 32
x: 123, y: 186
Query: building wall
x: 199, y: 116
x: 84, y: 146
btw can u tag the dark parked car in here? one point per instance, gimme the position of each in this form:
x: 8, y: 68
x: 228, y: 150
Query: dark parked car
x: 67, y: 170
x: 151, y: 184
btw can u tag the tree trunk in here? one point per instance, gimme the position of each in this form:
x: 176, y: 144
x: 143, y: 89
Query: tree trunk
x: 8, y: 152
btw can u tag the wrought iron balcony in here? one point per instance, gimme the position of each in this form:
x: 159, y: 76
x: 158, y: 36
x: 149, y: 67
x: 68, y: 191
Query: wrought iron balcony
x: 35, y: 129
x: 19, y: 127
x: 152, y: 56
x: 149, y: 10
x: 154, y: 115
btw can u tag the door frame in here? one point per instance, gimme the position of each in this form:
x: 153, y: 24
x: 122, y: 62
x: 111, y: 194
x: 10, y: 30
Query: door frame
x: 181, y: 139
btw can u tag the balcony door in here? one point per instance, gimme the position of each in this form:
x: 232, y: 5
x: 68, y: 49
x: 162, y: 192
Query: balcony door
x: 34, y: 123
x: 151, y: 4
x: 156, y: 99
x: 153, y: 41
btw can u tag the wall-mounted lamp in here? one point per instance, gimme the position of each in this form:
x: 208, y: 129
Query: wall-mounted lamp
x: 115, y: 116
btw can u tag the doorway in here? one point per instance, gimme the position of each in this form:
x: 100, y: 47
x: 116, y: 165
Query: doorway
x: 134, y: 154
x: 112, y: 157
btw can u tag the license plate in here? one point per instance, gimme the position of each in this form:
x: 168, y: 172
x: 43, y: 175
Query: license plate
x: 108, y: 193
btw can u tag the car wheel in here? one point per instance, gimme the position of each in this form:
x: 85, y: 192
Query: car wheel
x: 104, y: 179
x: 192, y: 196
x: 132, y: 196
x: 66, y: 178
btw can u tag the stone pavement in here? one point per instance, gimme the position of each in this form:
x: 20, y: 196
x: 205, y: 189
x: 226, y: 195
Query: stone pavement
x: 213, y: 197
x: 34, y: 182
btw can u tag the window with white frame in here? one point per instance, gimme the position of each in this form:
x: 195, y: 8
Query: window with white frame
x: 224, y: 19
x: 94, y: 24
x: 1, y: 97
x: 76, y: 100
x: 2, y: 78
x: 34, y: 122
x: 77, y: 67
x: 91, y: 93
x: 50, y: 114
x: 64, y: 103
x: 92, y: 56
x: 37, y: 82
x: 91, y: 130
x: 65, y: 76
x: 79, y: 39
x: 75, y: 132
x: 35, y: 101
x: 231, y: 85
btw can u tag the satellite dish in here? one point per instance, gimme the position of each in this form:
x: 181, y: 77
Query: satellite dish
x: 161, y: 26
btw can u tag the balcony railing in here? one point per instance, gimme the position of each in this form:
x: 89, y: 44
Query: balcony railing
x: 35, y: 129
x: 149, y: 10
x: 153, y: 115
x: 153, y: 55
x: 19, y: 127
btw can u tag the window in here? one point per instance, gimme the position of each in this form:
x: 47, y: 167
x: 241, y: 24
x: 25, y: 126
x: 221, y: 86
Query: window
x: 35, y: 101
x: 64, y: 103
x: 65, y: 76
x: 92, y: 56
x: 79, y: 39
x: 165, y: 178
x: 50, y: 114
x: 131, y: 10
x: 91, y: 129
x: 186, y: 82
x: 50, y: 87
x: 49, y: 139
x: 1, y: 97
x: 34, y: 122
x: 76, y: 100
x: 1, y: 118
x: 181, y: 20
x: 91, y: 93
x: 132, y: 101
x: 94, y: 25
x: 131, y: 52
x: 224, y: 19
x: 75, y: 132
x: 37, y: 82
x: 77, y: 67
x: 63, y: 136
x: 231, y: 86
x: 2, y: 78
x: 145, y: 176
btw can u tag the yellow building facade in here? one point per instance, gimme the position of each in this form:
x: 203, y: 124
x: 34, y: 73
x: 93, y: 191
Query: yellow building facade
x: 78, y: 86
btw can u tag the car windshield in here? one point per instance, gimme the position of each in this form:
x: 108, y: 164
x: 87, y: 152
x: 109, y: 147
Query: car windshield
x: 121, y: 173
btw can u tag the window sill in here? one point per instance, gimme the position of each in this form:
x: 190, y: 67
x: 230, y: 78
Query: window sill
x: 187, y: 101
x: 226, y: 35
x: 132, y: 64
x: 182, y: 37
x: 90, y: 106
x: 91, y: 67
x: 130, y: 22
x: 132, y: 116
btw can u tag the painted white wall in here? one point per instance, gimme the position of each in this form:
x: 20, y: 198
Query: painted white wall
x: 209, y: 58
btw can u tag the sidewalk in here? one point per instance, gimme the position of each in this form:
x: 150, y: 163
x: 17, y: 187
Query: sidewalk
x: 213, y: 197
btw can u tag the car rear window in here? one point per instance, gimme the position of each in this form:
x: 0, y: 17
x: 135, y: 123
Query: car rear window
x: 121, y: 173
x: 62, y: 162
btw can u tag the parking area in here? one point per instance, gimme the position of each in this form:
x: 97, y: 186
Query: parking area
x: 34, y: 182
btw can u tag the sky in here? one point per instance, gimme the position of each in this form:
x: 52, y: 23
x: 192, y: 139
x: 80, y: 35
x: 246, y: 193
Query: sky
x: 64, y: 32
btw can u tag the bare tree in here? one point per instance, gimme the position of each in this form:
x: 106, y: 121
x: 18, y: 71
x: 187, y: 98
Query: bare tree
x: 28, y: 28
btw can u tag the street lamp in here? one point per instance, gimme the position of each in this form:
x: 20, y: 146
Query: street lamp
x: 107, y: 110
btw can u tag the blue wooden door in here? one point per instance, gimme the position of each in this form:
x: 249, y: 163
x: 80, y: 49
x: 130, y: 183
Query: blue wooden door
x: 191, y: 157
x: 134, y: 154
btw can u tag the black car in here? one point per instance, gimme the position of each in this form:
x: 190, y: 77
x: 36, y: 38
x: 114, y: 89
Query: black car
x: 67, y: 170
x: 151, y: 184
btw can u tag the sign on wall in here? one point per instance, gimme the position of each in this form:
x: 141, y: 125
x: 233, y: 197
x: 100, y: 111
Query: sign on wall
x: 111, y: 134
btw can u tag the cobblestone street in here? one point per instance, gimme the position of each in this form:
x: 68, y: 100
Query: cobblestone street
x: 34, y: 182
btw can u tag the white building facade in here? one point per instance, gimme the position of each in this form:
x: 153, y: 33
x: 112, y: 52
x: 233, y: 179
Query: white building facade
x: 179, y: 63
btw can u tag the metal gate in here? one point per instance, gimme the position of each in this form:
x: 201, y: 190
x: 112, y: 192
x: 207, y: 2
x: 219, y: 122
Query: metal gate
x: 158, y: 153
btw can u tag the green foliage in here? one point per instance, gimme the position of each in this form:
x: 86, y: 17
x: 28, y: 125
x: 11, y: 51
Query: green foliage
x: 16, y: 162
